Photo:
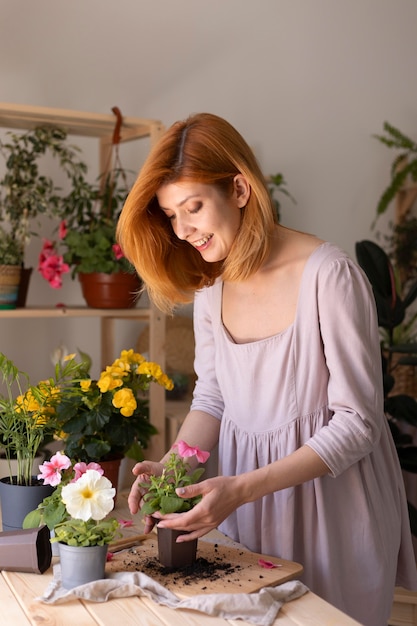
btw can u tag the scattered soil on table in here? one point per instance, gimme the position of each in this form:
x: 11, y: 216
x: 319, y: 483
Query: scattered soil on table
x: 201, y: 572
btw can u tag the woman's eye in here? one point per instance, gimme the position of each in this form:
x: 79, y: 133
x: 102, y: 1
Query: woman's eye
x: 196, y: 208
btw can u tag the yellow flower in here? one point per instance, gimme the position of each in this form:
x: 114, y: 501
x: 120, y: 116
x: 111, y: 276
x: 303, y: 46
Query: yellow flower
x: 106, y: 382
x: 85, y: 384
x: 125, y: 401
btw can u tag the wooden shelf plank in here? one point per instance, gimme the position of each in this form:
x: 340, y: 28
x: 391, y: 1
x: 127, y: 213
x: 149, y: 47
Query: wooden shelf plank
x: 27, y: 312
x: 82, y: 123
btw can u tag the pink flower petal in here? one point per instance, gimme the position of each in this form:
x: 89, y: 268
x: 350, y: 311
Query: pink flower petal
x: 124, y: 523
x: 185, y: 450
x: 109, y: 556
x: 268, y: 564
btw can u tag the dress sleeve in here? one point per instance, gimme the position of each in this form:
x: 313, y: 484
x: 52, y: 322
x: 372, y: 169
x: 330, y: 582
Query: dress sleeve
x: 207, y: 395
x: 349, y: 331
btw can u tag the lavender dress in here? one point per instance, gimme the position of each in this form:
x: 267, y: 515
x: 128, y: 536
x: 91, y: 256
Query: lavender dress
x: 316, y: 383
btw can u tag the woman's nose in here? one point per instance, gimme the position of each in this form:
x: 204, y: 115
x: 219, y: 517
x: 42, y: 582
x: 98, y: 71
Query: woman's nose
x: 182, y: 227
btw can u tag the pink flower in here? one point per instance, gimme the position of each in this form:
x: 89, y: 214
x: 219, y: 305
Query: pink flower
x: 62, y: 232
x: 52, y: 269
x: 51, y: 266
x: 81, y: 468
x: 117, y: 251
x: 185, y: 450
x: 124, y: 523
x: 268, y: 564
x: 51, y: 470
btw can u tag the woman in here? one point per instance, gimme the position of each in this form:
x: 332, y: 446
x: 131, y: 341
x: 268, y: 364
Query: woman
x: 289, y: 373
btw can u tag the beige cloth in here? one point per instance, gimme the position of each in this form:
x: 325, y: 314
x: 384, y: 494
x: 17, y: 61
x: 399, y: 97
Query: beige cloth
x: 259, y: 608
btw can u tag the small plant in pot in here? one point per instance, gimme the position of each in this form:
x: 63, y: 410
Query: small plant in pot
x: 77, y: 510
x: 28, y: 191
x: 87, y: 236
x: 161, y: 496
x: 27, y: 418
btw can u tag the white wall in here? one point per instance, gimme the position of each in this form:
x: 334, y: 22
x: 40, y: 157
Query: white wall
x: 307, y: 82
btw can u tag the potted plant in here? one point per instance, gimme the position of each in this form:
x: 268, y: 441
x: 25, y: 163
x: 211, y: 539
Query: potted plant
x: 10, y: 270
x: 108, y: 418
x: 57, y: 472
x: 402, y: 187
x: 400, y: 409
x: 87, y: 237
x: 77, y: 511
x: 162, y: 496
x: 26, y: 421
x: 26, y: 192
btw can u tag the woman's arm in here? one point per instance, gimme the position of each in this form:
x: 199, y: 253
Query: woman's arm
x: 224, y: 494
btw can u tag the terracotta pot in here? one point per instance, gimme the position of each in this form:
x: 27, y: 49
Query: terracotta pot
x: 175, y: 555
x: 110, y: 291
x: 111, y: 471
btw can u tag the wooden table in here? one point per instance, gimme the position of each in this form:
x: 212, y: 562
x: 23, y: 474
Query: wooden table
x: 19, y: 607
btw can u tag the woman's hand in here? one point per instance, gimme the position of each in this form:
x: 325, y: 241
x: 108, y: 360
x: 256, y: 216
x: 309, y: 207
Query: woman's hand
x: 220, y: 499
x: 142, y: 471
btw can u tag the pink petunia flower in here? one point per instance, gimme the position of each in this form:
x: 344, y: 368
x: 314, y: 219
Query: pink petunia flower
x: 62, y: 232
x: 185, y: 450
x: 125, y: 523
x: 268, y: 564
x: 81, y: 468
x: 117, y: 251
x: 51, y: 470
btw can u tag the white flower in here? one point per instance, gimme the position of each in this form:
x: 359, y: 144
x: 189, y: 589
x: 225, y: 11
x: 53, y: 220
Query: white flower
x: 90, y: 497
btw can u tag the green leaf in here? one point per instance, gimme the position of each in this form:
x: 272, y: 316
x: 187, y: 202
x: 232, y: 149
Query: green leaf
x: 32, y: 519
x: 171, y: 504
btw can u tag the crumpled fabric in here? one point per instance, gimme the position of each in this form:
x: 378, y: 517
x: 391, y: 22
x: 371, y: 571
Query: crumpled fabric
x: 260, y: 608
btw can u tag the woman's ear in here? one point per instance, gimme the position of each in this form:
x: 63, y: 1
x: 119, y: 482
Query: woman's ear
x: 242, y: 190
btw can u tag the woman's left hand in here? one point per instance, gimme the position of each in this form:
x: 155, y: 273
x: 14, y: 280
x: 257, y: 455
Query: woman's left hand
x: 220, y: 499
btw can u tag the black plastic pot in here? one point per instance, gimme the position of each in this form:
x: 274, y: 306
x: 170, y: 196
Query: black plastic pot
x: 175, y: 555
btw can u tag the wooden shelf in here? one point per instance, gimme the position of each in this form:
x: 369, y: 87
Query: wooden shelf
x: 76, y: 311
x: 101, y: 126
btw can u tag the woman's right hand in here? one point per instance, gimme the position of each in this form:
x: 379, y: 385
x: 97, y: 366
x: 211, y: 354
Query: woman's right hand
x: 142, y: 471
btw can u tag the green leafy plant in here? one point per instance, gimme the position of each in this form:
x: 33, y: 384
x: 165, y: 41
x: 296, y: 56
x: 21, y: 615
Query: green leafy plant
x: 27, y: 193
x: 58, y: 472
x: 278, y: 184
x: 391, y: 309
x: 30, y: 417
x: 404, y: 165
x: 161, y: 490
x: 109, y: 417
x: 87, y: 234
x: 77, y: 509
x: 401, y: 243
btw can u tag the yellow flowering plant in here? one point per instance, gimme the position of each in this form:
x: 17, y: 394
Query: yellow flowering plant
x: 109, y: 417
x: 29, y: 419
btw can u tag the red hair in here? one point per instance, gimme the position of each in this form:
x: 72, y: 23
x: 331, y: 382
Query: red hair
x: 205, y: 149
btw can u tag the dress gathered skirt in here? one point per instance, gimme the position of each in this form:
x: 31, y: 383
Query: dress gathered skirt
x: 317, y: 383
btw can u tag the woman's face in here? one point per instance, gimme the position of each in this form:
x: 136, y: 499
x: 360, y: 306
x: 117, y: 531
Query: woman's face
x: 201, y: 215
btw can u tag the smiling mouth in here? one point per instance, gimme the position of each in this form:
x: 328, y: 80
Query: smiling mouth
x: 202, y: 242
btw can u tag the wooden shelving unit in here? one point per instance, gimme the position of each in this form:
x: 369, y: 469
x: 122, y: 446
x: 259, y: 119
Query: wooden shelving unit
x: 100, y: 126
